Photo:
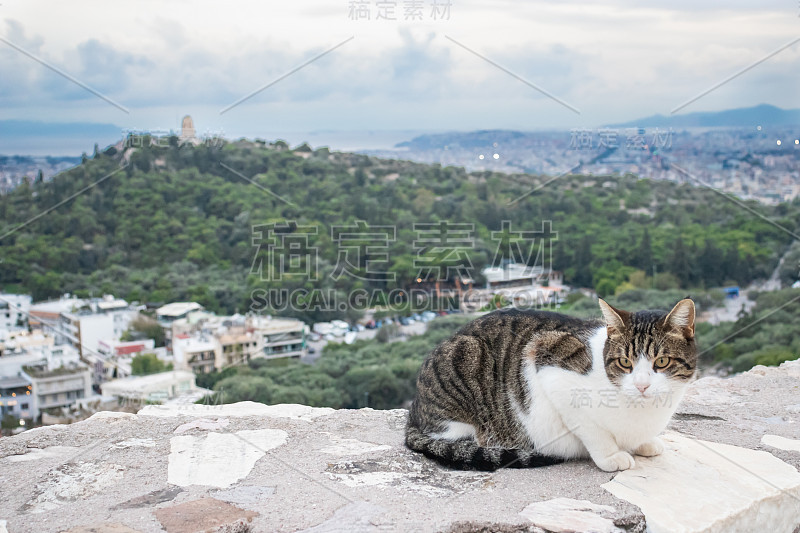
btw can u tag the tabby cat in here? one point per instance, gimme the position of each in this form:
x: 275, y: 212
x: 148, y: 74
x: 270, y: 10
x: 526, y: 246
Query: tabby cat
x: 521, y: 389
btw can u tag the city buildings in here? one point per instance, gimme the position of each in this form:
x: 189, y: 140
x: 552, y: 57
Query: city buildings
x: 239, y: 346
x: 16, y: 399
x: 155, y: 388
x: 204, y: 342
x: 754, y: 163
x: 199, y: 354
x: 519, y: 285
x: 14, y: 309
x: 72, y: 348
x: 175, y: 318
x: 281, y: 337
x: 169, y: 313
x: 59, y: 387
x: 94, y: 320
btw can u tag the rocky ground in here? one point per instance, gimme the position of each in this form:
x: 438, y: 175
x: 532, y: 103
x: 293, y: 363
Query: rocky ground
x: 731, y: 464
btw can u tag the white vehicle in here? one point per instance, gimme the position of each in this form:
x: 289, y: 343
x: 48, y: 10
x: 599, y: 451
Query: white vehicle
x: 323, y: 328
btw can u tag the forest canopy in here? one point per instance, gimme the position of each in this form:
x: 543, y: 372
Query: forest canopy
x: 168, y: 223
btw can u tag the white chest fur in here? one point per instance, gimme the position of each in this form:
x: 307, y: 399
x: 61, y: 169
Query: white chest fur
x: 569, y: 410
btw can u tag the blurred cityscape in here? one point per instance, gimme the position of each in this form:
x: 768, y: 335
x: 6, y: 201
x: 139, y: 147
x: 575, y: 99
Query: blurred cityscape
x: 757, y: 163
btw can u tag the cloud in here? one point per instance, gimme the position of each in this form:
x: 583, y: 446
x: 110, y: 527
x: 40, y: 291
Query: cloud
x: 614, y: 61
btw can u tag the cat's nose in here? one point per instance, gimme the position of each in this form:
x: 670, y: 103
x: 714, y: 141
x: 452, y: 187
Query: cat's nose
x: 643, y: 388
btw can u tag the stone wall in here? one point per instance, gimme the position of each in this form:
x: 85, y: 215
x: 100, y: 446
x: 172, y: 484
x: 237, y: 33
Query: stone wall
x: 731, y: 465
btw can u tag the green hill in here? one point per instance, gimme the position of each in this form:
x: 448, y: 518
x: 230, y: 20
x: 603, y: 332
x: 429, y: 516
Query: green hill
x: 158, y: 224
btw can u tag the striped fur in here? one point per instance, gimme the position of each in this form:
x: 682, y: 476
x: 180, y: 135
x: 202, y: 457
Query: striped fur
x: 466, y: 454
x: 485, y: 379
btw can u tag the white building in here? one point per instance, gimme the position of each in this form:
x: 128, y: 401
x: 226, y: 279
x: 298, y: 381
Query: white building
x: 179, y: 317
x: 47, y: 315
x: 519, y: 285
x: 94, y: 321
x: 200, y: 354
x: 14, y: 309
x: 34, y: 349
x: 520, y: 275
x: 281, y: 337
x: 16, y: 397
x: 58, y: 387
x: 169, y: 313
x: 153, y: 388
x: 36, y: 374
x: 117, y: 357
x: 117, y: 348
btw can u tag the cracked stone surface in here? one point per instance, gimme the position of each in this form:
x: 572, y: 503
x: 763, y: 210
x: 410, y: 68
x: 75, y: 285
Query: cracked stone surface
x: 732, y: 489
x: 219, y: 459
x: 203, y: 515
x: 250, y: 467
x: 565, y: 515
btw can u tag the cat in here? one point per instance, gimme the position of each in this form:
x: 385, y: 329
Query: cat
x: 521, y: 389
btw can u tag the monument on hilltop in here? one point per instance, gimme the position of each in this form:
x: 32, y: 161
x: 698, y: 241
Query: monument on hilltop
x: 188, y: 133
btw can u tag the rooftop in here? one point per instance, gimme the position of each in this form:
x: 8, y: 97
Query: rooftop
x: 17, y: 300
x: 63, y: 305
x: 731, y: 462
x: 178, y: 309
x: 146, y: 383
x: 107, y: 305
x: 193, y: 344
x: 510, y: 272
x: 42, y: 373
x: 277, y: 325
x: 13, y: 382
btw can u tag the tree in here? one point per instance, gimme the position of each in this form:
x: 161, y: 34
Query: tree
x: 643, y: 258
x: 361, y: 177
x: 583, y: 263
x: 148, y: 363
x: 679, y: 262
x: 143, y: 327
x: 388, y: 332
x: 710, y: 264
x: 731, y: 267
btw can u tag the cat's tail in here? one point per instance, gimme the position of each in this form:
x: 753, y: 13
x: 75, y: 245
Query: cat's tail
x: 466, y: 454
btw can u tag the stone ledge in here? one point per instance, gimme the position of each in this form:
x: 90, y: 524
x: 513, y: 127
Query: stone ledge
x: 732, y: 458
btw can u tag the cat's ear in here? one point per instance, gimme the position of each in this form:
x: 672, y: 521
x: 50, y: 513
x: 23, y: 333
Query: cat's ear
x: 681, y: 318
x: 616, y: 319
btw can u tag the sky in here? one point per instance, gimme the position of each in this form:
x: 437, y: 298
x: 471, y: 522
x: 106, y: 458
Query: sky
x: 476, y: 65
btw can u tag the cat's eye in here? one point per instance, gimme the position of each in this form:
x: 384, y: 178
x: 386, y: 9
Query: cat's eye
x: 625, y: 363
x: 662, y: 362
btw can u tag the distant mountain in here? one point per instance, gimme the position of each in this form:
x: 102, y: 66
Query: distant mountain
x: 470, y: 139
x: 760, y: 115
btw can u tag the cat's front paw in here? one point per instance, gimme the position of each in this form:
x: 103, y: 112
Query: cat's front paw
x: 617, y: 461
x: 650, y: 448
